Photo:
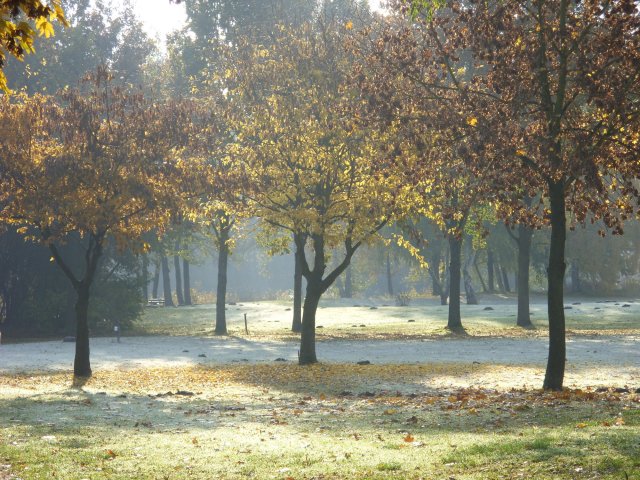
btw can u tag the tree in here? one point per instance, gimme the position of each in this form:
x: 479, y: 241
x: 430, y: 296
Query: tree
x: 96, y: 162
x: 523, y: 241
x: 97, y: 35
x: 17, y: 34
x: 439, y: 145
x: 569, y: 72
x: 313, y: 172
x: 221, y: 205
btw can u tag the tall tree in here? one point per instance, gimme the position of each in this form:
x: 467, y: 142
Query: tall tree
x: 439, y: 146
x: 313, y: 170
x: 99, y: 163
x: 569, y: 73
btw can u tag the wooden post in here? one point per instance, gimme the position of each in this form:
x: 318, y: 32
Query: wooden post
x: 246, y: 329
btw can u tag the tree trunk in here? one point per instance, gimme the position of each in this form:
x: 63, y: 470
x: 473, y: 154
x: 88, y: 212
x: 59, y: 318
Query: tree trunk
x: 296, y: 325
x: 179, y: 291
x: 166, y: 282
x: 525, y: 235
x: 221, y: 293
x: 505, y: 279
x: 434, y: 273
x: 490, y: 269
x: 498, y: 276
x: 81, y: 362
x: 470, y: 293
x: 156, y: 281
x: 454, y: 322
x: 82, y: 287
x: 575, y: 277
x: 187, y: 281
x: 307, y: 354
x: 477, y: 269
x: 444, y: 293
x: 145, y: 278
x: 348, y: 283
x: 389, y: 279
x: 554, y: 376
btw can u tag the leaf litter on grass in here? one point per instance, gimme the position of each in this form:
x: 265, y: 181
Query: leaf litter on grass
x: 262, y: 418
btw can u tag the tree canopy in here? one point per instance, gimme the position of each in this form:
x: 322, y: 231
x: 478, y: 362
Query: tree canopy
x: 17, y: 32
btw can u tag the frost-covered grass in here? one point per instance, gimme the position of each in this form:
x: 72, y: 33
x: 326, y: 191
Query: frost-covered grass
x: 277, y: 420
x: 380, y: 318
x: 321, y: 422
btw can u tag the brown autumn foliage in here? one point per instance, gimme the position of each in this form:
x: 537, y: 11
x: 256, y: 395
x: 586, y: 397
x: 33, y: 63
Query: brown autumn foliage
x: 552, y: 87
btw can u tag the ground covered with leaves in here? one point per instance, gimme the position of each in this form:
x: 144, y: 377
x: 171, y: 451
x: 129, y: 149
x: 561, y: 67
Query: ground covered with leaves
x: 330, y: 421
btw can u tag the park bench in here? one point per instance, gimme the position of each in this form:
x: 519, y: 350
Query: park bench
x: 155, y: 302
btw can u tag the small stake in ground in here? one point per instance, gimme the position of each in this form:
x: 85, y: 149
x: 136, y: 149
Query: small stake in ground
x: 246, y: 328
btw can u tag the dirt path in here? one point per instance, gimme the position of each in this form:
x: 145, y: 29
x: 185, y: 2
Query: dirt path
x: 591, y: 361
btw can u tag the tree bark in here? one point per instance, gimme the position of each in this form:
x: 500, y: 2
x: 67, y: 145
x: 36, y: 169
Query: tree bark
x: 454, y: 322
x: 316, y: 286
x: 166, y: 282
x: 445, y: 283
x: 156, y: 281
x: 389, y: 279
x: 470, y: 293
x: 315, y: 289
x: 499, y: 277
x: 490, y: 269
x: 179, y: 291
x: 82, y: 287
x: 307, y: 354
x: 525, y: 235
x: 187, y: 281
x: 348, y: 283
x: 505, y: 279
x: 477, y: 269
x: 575, y: 277
x: 434, y: 273
x: 221, y: 293
x: 82, y: 362
x: 554, y: 376
x: 145, y: 278
x: 296, y: 325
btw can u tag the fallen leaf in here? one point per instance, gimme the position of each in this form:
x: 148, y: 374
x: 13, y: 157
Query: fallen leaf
x: 409, y: 438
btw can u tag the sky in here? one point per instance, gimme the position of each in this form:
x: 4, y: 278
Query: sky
x: 161, y: 17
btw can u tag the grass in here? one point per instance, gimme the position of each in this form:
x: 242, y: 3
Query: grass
x: 290, y: 422
x: 329, y: 421
x: 355, y: 319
